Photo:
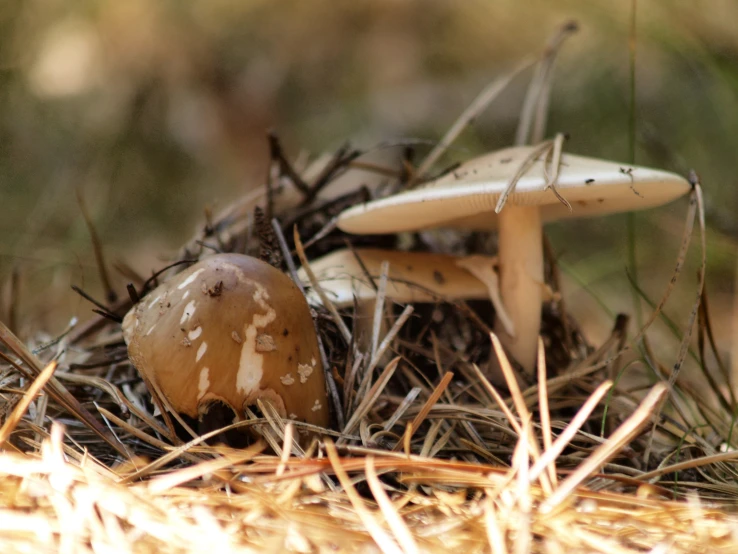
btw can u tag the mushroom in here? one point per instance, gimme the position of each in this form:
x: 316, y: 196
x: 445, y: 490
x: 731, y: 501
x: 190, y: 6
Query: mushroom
x: 230, y: 329
x: 412, y: 277
x: 467, y: 197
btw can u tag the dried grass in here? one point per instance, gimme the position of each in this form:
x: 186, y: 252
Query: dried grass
x: 434, y: 456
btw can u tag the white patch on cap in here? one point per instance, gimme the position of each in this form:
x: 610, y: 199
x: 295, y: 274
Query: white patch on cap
x: 317, y: 406
x: 188, y: 311
x: 251, y: 364
x: 201, y: 351
x: 186, y: 294
x: 204, y: 384
x: 236, y: 337
x: 191, y: 278
x: 287, y: 380
x: 293, y: 416
x: 196, y: 332
x: 304, y: 371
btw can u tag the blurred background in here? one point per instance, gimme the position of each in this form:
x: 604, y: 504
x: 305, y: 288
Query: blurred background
x: 155, y: 110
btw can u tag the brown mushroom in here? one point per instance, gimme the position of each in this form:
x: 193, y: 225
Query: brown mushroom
x: 230, y: 329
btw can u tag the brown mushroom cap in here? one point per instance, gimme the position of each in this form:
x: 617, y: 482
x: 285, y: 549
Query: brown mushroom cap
x: 234, y: 329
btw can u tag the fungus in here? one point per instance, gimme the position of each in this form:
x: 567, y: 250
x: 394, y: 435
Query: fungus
x: 467, y: 198
x: 252, y: 340
x: 413, y: 276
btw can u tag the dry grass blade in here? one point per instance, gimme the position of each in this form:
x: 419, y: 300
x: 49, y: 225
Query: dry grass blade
x: 696, y: 201
x: 168, y: 481
x: 96, y: 248
x: 521, y: 464
x: 543, y: 409
x: 286, y: 449
x: 518, y: 401
x: 612, y: 446
x: 689, y: 464
x: 478, y: 105
x: 510, y: 377
x: 692, y: 213
x: 135, y: 432
x: 125, y: 405
x: 380, y: 536
x: 369, y: 399
x: 494, y: 533
x: 56, y: 389
x: 517, y: 427
x: 524, y: 166
x: 423, y: 413
x: 553, y: 452
x: 378, y: 315
x: 402, y: 408
x: 338, y: 320
x: 536, y: 97
x: 182, y: 451
x: 28, y: 396
x: 390, y: 336
x: 554, y: 158
x: 394, y: 520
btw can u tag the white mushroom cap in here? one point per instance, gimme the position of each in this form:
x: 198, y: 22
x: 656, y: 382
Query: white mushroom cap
x: 466, y: 197
x: 412, y: 277
x: 232, y: 329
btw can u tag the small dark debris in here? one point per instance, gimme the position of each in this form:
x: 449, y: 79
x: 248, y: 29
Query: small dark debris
x: 215, y: 290
x: 589, y: 181
x: 438, y: 277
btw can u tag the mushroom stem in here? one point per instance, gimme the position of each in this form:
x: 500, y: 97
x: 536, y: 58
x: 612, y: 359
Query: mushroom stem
x: 521, y: 280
